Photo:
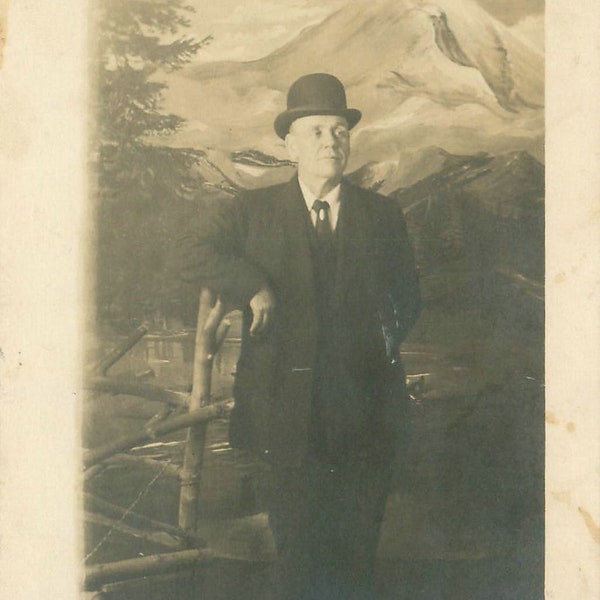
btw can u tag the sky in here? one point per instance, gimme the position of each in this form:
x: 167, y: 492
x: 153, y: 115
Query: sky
x: 251, y: 29
x: 512, y: 11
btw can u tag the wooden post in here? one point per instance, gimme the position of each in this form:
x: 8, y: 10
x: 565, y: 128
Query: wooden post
x: 210, y: 313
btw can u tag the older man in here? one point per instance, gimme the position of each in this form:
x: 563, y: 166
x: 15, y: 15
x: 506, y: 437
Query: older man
x: 325, y: 276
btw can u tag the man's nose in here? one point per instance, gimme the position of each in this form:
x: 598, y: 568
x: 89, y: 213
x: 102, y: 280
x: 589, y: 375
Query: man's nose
x: 330, y: 138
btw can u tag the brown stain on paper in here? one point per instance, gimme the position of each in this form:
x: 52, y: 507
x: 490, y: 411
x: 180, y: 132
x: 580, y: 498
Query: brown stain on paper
x: 590, y: 524
x: 560, y: 278
x: 552, y: 419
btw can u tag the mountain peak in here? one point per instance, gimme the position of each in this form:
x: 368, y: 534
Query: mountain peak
x: 423, y: 74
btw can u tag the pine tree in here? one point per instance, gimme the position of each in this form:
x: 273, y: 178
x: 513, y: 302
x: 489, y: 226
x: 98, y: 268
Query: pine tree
x: 140, y: 183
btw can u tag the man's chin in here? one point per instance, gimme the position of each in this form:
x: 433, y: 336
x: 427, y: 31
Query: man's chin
x: 332, y: 170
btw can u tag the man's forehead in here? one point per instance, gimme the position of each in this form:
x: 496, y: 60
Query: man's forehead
x: 319, y: 121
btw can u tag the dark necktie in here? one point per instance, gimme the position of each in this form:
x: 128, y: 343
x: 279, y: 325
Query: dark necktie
x: 323, y: 225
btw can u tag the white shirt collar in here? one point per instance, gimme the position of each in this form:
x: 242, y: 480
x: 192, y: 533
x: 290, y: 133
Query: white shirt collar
x: 333, y: 196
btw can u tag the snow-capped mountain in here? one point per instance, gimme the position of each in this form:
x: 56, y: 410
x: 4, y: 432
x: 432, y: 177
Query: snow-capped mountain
x: 425, y: 74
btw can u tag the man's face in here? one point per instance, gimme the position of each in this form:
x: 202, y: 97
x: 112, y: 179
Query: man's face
x: 320, y: 144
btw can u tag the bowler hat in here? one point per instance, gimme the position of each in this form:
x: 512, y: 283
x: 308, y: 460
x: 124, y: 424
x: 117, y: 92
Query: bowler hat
x: 315, y: 94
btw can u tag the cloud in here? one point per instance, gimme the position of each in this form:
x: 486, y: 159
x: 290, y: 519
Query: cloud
x: 252, y: 29
x: 267, y: 11
x: 512, y: 11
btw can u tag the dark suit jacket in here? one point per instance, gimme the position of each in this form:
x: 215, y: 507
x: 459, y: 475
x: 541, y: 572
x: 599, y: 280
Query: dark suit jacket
x: 262, y: 238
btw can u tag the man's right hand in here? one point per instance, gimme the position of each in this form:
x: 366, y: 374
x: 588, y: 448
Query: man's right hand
x: 262, y: 306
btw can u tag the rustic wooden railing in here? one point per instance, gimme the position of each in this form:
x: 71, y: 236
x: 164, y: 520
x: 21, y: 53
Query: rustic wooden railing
x: 198, y: 411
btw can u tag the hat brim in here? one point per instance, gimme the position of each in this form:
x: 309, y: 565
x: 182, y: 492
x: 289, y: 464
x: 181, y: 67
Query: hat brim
x: 285, y: 119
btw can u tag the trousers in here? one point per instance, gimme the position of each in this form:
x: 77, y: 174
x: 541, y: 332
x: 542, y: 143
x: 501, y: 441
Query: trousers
x: 325, y: 521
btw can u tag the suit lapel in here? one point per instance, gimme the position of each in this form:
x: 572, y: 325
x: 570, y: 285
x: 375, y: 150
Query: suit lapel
x: 296, y: 226
x: 351, y: 239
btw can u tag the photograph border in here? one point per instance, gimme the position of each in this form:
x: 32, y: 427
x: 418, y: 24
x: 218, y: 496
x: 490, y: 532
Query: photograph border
x: 45, y: 226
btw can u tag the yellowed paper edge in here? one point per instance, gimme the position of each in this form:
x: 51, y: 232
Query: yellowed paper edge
x: 44, y: 224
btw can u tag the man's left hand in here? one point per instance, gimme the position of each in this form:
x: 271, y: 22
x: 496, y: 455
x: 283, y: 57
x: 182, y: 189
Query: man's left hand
x: 262, y: 306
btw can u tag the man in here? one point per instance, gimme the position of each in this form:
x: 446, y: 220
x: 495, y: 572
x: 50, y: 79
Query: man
x: 325, y: 276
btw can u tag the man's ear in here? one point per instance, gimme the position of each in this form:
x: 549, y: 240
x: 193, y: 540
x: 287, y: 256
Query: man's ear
x: 292, y: 148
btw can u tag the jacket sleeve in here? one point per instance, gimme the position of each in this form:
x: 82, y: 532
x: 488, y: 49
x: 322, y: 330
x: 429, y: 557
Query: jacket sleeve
x: 212, y: 253
x: 405, y: 292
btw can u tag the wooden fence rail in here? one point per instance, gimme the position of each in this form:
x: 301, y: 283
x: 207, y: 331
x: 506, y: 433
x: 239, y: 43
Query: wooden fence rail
x: 202, y: 415
x: 117, y: 353
x: 96, y: 575
x: 96, y: 504
x: 148, y: 391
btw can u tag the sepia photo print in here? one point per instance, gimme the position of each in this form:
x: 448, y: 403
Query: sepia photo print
x: 227, y: 363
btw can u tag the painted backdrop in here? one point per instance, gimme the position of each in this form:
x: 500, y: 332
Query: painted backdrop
x: 452, y: 96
